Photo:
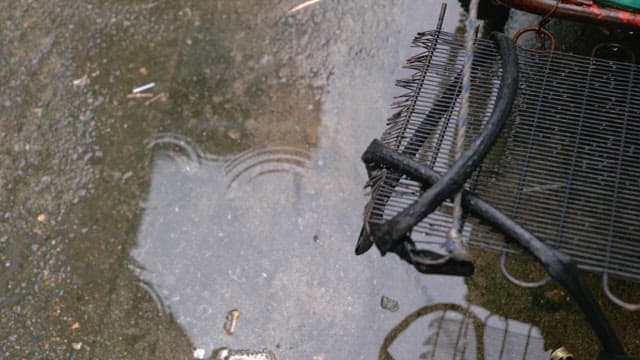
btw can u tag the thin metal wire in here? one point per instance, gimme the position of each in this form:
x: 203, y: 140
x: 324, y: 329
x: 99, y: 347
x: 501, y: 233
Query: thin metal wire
x: 526, y: 346
x: 437, y: 336
x: 462, y: 337
x: 504, y: 343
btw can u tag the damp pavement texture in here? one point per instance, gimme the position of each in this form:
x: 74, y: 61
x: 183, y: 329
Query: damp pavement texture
x: 132, y: 224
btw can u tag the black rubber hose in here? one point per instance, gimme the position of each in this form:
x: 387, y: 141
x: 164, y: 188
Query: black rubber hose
x: 394, y: 229
x: 560, y: 266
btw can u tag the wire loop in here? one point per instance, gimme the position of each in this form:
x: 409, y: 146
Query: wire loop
x: 623, y: 304
x: 540, y: 31
x: 516, y: 281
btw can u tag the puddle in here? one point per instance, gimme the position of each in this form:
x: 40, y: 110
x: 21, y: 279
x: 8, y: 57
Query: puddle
x: 233, y: 184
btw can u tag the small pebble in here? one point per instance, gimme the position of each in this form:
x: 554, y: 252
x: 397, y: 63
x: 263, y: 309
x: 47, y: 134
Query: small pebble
x: 234, y: 134
x: 76, y: 345
x: 198, y: 353
x: 388, y: 303
x: 42, y: 218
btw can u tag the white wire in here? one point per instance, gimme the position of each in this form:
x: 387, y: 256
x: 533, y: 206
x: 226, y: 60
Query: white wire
x: 456, y: 242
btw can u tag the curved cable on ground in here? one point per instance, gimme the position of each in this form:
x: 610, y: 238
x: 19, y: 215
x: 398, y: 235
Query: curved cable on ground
x: 401, y: 224
x: 558, y: 265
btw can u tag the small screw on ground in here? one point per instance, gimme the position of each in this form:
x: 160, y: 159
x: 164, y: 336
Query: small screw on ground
x: 232, y: 318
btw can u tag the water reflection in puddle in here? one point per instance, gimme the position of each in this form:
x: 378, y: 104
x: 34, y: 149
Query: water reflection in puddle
x: 453, y: 331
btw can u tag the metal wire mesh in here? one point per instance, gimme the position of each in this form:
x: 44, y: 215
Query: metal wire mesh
x: 567, y: 167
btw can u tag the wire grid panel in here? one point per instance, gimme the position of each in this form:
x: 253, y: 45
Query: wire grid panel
x: 567, y: 166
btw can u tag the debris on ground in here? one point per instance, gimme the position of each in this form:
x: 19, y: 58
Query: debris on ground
x: 143, y: 88
x: 388, y: 303
x: 81, y: 82
x: 224, y: 353
x: 162, y: 96
x: 230, y: 324
x: 198, y: 354
x: 139, y: 95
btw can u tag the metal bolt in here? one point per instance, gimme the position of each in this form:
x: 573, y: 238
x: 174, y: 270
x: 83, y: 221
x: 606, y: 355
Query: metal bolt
x: 232, y: 318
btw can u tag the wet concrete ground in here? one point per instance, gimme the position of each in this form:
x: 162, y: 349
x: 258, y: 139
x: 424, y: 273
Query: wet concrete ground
x: 132, y: 225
